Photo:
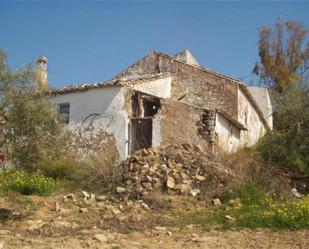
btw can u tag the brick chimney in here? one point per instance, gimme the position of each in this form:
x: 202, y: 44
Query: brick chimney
x: 41, y: 73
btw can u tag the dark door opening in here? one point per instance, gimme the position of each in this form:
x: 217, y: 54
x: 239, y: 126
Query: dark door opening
x: 140, y: 132
x: 144, y: 108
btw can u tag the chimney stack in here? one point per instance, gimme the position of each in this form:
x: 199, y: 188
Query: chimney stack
x: 41, y: 73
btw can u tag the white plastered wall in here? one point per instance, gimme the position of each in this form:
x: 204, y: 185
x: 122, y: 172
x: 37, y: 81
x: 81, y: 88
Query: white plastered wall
x: 160, y: 87
x: 228, y: 135
x: 262, y: 98
x: 248, y: 116
x: 109, y: 102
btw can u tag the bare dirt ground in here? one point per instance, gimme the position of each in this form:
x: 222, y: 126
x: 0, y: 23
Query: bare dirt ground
x: 33, y: 222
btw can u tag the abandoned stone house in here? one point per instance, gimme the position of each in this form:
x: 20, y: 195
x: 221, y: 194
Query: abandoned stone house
x: 163, y: 99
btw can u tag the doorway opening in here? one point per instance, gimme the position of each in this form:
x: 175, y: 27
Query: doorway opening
x: 144, y: 108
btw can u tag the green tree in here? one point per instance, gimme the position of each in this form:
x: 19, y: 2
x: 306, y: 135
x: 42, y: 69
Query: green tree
x: 31, y: 130
x: 284, y: 56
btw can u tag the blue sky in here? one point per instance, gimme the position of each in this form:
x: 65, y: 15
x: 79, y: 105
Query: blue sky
x: 93, y: 41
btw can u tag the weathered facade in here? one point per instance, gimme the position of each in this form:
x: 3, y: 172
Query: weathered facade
x: 191, y: 83
x: 163, y: 99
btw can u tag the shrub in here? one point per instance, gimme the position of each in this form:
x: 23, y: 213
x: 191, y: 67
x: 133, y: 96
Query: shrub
x: 253, y: 171
x: 288, y: 144
x: 34, y: 133
x: 286, y: 150
x: 100, y: 171
x: 97, y: 172
x: 26, y: 183
x: 60, y: 169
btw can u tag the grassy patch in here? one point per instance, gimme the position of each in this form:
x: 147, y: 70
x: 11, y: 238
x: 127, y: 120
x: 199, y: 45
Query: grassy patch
x: 26, y: 183
x: 257, y: 209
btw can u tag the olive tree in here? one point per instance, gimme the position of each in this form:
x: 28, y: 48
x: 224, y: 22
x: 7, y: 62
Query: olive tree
x: 31, y: 130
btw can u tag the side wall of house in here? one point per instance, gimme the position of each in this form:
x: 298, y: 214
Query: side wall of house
x: 262, y: 98
x: 227, y: 135
x: 248, y: 116
x: 109, y: 102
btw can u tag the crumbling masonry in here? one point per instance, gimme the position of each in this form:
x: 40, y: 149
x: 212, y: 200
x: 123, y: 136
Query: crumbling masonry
x: 163, y: 99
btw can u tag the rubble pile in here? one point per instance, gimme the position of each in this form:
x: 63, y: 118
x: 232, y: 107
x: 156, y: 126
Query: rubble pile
x: 176, y: 169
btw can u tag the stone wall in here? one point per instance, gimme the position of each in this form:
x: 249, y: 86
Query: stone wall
x: 191, y: 84
x: 206, y: 126
x: 178, y: 123
x: 146, y: 65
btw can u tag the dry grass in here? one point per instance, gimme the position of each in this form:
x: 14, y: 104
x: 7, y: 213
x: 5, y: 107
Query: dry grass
x: 250, y: 170
x: 101, y: 171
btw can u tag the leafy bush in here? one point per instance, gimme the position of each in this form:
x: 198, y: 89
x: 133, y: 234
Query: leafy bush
x: 26, y: 183
x: 34, y: 133
x: 60, y: 169
x: 288, y: 144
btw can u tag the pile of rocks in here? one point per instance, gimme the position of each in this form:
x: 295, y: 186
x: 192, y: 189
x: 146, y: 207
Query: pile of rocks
x: 177, y: 169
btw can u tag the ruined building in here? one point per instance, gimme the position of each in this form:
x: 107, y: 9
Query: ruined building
x: 163, y: 99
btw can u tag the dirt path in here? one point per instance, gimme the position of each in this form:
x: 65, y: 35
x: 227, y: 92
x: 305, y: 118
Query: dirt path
x: 35, y: 224
x: 211, y: 240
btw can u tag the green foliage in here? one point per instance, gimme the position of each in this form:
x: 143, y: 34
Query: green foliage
x: 99, y: 172
x: 26, y: 183
x: 253, y: 195
x: 31, y: 132
x: 63, y: 168
x: 257, y: 209
x: 288, y: 144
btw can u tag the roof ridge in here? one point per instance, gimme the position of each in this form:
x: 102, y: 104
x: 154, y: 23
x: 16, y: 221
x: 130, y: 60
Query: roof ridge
x: 200, y: 67
x: 108, y: 83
